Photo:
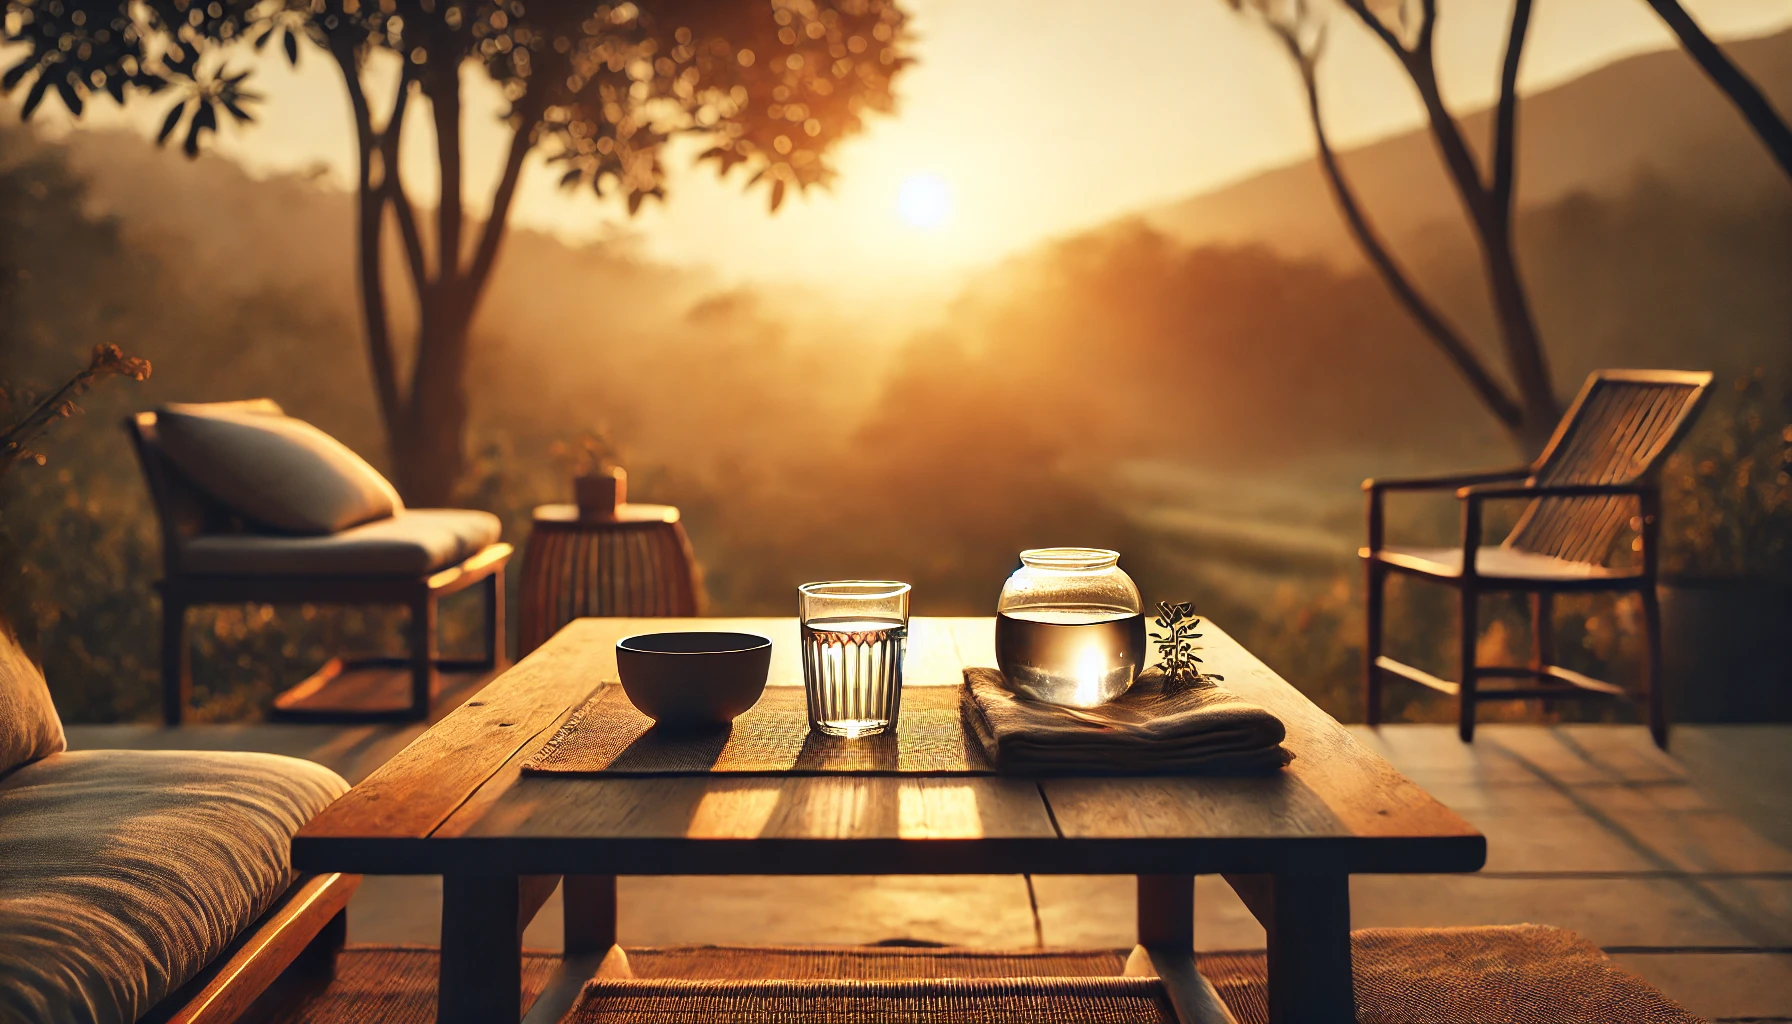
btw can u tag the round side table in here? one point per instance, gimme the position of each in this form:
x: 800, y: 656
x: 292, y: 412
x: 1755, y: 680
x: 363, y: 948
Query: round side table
x: 636, y: 563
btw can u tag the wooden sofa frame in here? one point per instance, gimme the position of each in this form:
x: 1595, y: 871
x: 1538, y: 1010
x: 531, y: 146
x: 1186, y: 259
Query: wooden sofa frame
x: 185, y: 512
x: 304, y: 930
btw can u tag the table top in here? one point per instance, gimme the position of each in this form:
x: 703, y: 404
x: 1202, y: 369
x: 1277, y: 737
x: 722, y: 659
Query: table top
x: 627, y: 514
x: 456, y: 801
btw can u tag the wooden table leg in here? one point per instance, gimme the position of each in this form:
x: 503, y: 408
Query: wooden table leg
x: 482, y: 950
x: 588, y: 903
x: 1167, y: 910
x: 1307, y: 921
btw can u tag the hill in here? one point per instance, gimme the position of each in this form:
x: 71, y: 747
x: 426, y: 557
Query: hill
x: 1657, y: 117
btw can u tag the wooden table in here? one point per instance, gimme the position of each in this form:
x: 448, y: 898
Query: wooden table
x: 455, y: 803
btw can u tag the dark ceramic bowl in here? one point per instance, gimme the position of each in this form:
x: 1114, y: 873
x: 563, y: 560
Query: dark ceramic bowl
x: 693, y: 680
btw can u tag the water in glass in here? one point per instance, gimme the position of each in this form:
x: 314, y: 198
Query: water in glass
x: 853, y: 671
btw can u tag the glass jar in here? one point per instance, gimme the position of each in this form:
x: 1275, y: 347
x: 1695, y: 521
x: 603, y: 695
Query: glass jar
x: 1070, y: 627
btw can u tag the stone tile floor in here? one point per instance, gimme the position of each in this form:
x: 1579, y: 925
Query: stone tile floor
x: 1679, y: 866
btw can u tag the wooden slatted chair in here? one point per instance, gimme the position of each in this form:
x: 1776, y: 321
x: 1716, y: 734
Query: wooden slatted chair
x: 1597, y: 476
x: 209, y: 559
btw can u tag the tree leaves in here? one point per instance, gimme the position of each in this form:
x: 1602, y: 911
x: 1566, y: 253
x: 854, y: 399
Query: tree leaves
x: 16, y: 74
x: 771, y: 86
x: 204, y: 119
x: 35, y: 96
x: 171, y: 122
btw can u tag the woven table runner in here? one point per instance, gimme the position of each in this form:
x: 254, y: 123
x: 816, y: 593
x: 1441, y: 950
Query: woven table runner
x: 607, y: 736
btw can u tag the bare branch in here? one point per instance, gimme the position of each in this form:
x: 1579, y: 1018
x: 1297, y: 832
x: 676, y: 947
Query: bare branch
x: 1747, y: 97
x: 1427, y: 28
x: 106, y: 361
x: 1387, y: 35
x: 1447, y: 338
x: 1505, y: 124
x: 492, y: 234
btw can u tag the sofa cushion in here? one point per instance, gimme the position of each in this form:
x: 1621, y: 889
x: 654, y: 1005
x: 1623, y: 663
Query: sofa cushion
x: 123, y: 872
x: 29, y: 727
x: 416, y: 541
x: 275, y: 470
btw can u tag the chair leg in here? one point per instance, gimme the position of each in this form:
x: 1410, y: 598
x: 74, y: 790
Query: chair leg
x: 1469, y: 634
x: 1377, y: 586
x: 177, y: 663
x: 1543, y: 637
x: 423, y: 654
x: 493, y: 593
x: 1656, y: 690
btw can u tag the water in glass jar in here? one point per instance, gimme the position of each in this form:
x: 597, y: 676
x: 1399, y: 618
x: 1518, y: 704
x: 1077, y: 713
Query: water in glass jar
x: 1066, y: 655
x: 853, y: 671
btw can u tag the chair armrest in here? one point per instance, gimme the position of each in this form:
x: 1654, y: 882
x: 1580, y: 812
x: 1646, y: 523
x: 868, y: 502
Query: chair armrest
x: 1377, y: 488
x: 1481, y: 492
x: 1646, y: 494
x: 1445, y: 481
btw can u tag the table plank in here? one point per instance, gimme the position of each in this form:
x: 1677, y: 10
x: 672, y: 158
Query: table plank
x: 838, y: 807
x: 408, y: 796
x: 1335, y: 790
x: 416, y: 790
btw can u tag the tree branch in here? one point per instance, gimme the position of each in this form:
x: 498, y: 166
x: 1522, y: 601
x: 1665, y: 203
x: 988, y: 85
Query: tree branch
x: 492, y: 234
x: 370, y: 217
x: 1503, y: 407
x: 442, y: 84
x: 1377, y: 26
x: 1427, y: 29
x: 1742, y: 90
x: 1505, y: 124
x: 1465, y: 173
x: 392, y: 184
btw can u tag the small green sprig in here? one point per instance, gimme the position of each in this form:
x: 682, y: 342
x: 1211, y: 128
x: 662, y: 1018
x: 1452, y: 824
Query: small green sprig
x: 1176, y: 647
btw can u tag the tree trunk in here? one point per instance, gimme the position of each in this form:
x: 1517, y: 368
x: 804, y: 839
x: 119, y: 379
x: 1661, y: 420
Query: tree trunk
x: 429, y: 448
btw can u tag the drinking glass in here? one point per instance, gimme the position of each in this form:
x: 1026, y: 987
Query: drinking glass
x: 855, y: 633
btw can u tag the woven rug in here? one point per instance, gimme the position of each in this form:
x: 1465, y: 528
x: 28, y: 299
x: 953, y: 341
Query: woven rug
x: 387, y: 984
x: 1525, y: 974
x: 607, y: 736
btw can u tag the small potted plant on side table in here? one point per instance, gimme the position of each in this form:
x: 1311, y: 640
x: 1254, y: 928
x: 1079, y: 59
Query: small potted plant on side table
x: 599, y: 483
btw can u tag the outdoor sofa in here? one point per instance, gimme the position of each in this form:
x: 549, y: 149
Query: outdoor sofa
x: 149, y: 884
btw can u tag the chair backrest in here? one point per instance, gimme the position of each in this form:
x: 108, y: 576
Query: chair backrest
x: 183, y: 510
x: 1619, y: 430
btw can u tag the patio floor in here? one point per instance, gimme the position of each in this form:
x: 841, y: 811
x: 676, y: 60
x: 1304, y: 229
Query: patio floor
x: 1679, y: 866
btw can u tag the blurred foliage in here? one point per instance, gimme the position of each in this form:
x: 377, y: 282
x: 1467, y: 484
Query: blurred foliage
x: 770, y: 86
x: 1267, y: 387
x: 1727, y: 495
x: 35, y: 414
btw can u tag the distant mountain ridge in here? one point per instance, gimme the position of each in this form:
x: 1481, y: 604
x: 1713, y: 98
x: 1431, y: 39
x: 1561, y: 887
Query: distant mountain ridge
x: 1657, y: 117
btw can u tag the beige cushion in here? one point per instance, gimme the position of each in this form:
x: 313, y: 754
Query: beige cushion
x: 414, y: 542
x: 123, y: 872
x: 29, y: 727
x: 273, y: 469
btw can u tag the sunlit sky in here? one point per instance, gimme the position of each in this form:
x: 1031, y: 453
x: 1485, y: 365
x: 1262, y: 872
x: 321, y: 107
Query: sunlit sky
x: 1022, y: 120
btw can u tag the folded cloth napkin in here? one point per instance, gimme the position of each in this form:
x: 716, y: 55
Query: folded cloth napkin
x: 1201, y: 730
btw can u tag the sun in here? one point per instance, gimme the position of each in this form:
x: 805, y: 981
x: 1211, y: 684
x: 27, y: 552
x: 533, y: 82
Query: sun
x: 925, y: 201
